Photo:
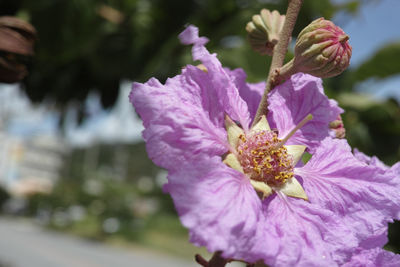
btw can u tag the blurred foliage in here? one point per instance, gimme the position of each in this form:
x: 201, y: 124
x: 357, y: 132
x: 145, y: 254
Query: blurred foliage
x: 380, y: 65
x: 91, y: 45
x: 103, y: 197
x: 375, y: 128
x: 4, y: 196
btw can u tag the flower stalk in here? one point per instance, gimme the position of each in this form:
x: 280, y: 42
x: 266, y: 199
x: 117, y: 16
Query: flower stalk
x: 215, y: 261
x: 279, y: 53
x: 218, y: 261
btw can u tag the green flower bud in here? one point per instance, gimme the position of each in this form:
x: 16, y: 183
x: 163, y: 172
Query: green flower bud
x: 263, y: 31
x: 322, y: 50
x: 337, y: 128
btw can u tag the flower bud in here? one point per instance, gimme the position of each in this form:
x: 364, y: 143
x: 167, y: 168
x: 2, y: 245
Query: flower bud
x: 17, y: 39
x: 337, y: 127
x: 321, y: 49
x: 263, y: 31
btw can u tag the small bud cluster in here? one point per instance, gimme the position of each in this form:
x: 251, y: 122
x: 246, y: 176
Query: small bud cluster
x: 337, y: 127
x: 264, y: 30
x: 322, y: 48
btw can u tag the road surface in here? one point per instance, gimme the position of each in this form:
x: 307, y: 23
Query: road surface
x: 23, y: 244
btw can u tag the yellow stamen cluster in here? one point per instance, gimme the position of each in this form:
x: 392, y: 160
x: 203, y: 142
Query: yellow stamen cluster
x: 263, y: 158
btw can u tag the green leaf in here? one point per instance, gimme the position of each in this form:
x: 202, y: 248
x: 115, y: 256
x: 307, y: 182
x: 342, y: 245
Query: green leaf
x: 382, y: 64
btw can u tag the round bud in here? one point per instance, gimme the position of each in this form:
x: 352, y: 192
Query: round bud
x: 322, y: 50
x: 337, y: 127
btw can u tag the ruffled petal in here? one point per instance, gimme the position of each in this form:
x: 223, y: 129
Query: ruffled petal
x: 365, y: 197
x: 249, y: 92
x: 218, y: 205
x: 374, y: 161
x: 181, y: 118
x: 222, y: 83
x: 373, y: 258
x: 292, y: 101
x: 298, y: 233
x: 393, y: 171
x: 224, y: 213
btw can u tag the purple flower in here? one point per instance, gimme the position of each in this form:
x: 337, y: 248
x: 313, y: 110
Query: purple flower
x: 244, y: 191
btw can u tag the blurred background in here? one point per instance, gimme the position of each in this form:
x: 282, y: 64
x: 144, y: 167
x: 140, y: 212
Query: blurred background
x: 72, y: 159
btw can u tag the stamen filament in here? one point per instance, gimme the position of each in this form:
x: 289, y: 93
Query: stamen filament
x: 298, y: 126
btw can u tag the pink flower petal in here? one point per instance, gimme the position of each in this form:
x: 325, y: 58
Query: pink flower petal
x: 293, y: 100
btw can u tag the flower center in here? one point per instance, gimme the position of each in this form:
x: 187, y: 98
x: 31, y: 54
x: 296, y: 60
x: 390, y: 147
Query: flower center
x: 264, y: 158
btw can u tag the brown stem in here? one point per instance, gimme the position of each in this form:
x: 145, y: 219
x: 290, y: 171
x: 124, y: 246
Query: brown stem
x: 200, y: 260
x: 215, y: 261
x: 279, y: 54
x: 285, y: 72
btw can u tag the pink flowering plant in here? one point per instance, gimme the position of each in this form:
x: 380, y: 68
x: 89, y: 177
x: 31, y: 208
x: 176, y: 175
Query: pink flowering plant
x: 235, y: 154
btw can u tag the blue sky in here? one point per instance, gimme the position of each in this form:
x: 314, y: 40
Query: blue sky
x: 376, y: 24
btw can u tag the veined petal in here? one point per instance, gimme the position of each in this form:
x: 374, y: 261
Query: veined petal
x: 293, y: 100
x: 249, y: 92
x: 181, y: 118
x: 374, y: 257
x: 218, y: 205
x: 333, y: 176
x: 298, y: 233
x: 223, y: 212
x: 374, y: 161
x: 364, y: 196
x: 225, y: 88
